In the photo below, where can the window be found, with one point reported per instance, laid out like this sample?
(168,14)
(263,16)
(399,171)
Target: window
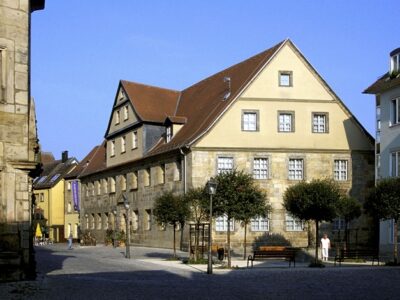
(250,121)
(378,166)
(338,224)
(161,178)
(68,186)
(147,177)
(260,168)
(126,113)
(320,123)
(112,148)
(178,171)
(395,63)
(123,182)
(99,221)
(293,224)
(221,224)
(123,144)
(395,111)
(148,219)
(42,179)
(296,169)
(394,163)
(169,133)
(105,186)
(134,140)
(112,185)
(340,171)
(225,164)
(98,187)
(134,180)
(285,122)
(135,220)
(117,117)
(285,78)
(3,73)
(260,224)
(69,207)
(54,178)
(41,197)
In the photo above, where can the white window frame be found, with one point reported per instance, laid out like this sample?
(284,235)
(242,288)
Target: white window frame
(394,161)
(285,78)
(249,120)
(168,134)
(126,112)
(395,111)
(224,164)
(319,122)
(296,169)
(395,63)
(260,168)
(221,224)
(123,144)
(134,140)
(112,148)
(293,224)
(260,224)
(341,167)
(285,122)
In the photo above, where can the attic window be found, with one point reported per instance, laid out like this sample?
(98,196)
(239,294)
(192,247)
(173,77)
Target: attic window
(117,117)
(126,113)
(54,178)
(395,63)
(169,134)
(286,78)
(42,179)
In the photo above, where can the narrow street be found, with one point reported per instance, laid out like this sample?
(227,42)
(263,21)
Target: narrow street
(103,273)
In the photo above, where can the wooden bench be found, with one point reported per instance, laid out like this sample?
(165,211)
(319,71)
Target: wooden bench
(357,254)
(273,252)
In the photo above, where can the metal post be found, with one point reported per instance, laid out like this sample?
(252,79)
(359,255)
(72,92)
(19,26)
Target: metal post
(209,266)
(128,234)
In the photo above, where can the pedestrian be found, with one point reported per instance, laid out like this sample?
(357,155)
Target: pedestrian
(325,245)
(70,241)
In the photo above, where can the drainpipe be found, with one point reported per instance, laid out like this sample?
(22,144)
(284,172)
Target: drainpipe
(184,171)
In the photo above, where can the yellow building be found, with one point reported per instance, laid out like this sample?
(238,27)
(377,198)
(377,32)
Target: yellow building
(49,190)
(271,115)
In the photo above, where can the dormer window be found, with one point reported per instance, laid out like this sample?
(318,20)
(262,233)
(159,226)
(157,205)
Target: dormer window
(126,113)
(395,61)
(169,133)
(117,117)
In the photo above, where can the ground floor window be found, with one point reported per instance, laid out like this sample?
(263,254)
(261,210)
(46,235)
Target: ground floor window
(260,224)
(293,224)
(221,224)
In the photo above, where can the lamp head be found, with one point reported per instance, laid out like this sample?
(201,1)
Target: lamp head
(212,186)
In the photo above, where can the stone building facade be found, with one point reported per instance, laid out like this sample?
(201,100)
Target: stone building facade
(18,138)
(271,115)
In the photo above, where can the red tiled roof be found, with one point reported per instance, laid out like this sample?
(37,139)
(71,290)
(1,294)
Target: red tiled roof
(151,103)
(97,161)
(82,165)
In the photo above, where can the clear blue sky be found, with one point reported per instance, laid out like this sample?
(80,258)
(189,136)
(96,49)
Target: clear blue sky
(81,49)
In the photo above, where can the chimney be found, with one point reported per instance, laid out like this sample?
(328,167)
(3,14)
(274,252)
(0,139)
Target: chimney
(64,156)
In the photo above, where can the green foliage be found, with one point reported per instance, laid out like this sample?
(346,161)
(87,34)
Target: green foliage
(171,209)
(198,201)
(349,208)
(317,200)
(383,201)
(239,197)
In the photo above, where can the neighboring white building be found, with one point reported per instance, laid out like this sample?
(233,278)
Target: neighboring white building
(387,145)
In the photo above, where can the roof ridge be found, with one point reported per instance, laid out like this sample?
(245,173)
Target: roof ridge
(149,86)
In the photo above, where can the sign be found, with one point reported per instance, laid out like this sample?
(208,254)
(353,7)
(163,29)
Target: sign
(75,194)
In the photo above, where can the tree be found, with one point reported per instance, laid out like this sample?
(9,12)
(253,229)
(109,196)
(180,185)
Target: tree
(173,210)
(383,202)
(349,209)
(238,197)
(316,201)
(199,207)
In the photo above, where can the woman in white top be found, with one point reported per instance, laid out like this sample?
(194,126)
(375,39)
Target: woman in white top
(325,245)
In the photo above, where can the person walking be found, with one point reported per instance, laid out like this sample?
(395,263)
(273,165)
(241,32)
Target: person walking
(70,241)
(325,245)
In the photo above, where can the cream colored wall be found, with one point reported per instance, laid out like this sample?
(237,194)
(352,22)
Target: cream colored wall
(57,204)
(305,83)
(130,154)
(307,95)
(343,133)
(132,119)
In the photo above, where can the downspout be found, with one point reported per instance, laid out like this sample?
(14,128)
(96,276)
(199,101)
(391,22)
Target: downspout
(184,177)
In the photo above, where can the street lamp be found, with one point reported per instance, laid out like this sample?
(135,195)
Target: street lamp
(114,211)
(128,231)
(211,189)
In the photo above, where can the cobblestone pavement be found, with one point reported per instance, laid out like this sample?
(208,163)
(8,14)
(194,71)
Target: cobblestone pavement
(104,273)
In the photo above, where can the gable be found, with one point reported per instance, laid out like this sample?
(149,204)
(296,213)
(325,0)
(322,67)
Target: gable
(306,85)
(122,115)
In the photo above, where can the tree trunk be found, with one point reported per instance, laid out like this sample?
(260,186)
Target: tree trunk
(196,242)
(395,229)
(174,241)
(346,235)
(245,241)
(229,244)
(316,242)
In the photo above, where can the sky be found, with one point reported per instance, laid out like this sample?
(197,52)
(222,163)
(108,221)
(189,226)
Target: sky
(81,49)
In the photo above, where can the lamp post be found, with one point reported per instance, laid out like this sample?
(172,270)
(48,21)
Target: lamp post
(128,231)
(211,189)
(114,211)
